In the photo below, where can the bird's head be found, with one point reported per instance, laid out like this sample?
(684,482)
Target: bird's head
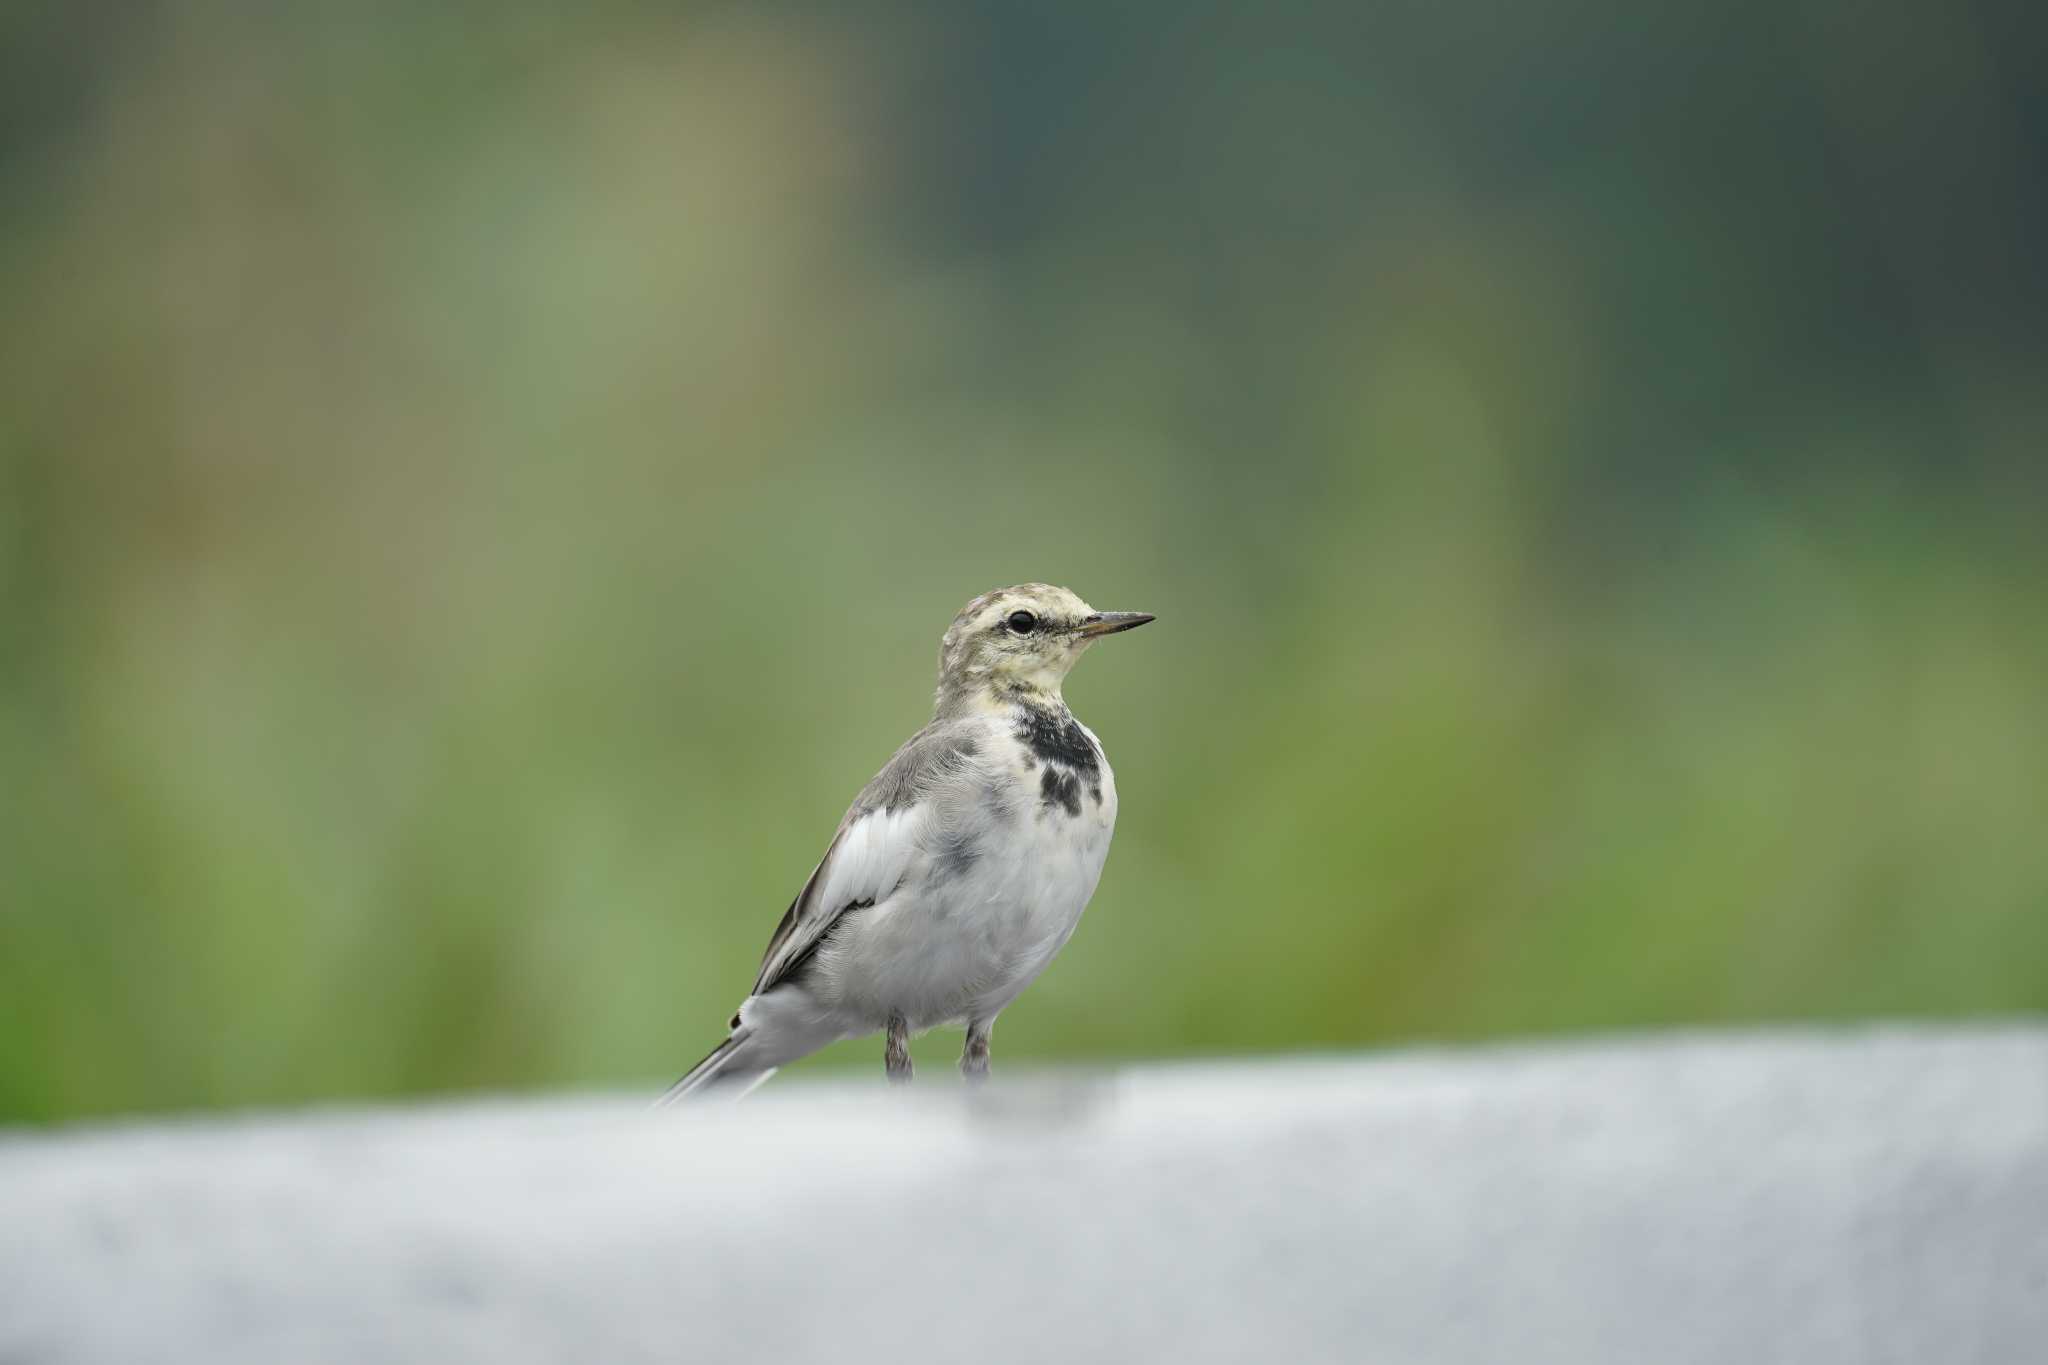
(1017,644)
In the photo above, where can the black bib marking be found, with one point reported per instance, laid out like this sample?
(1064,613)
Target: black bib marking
(1056,737)
(1060,788)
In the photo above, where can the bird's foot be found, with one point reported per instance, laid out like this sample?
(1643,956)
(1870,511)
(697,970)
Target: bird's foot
(896,1052)
(974,1056)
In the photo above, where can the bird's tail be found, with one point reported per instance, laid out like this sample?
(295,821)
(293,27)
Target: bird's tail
(725,1071)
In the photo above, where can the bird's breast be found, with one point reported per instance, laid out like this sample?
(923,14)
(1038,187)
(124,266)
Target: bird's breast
(1062,766)
(1007,873)
(1050,855)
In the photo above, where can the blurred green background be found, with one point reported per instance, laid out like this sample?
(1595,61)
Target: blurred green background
(481,486)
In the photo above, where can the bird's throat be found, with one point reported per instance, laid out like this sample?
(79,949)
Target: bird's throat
(997,695)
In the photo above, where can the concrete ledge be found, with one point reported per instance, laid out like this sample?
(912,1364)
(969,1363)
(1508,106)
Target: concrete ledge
(1868,1196)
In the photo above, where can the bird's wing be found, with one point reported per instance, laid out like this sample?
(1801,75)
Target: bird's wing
(875,846)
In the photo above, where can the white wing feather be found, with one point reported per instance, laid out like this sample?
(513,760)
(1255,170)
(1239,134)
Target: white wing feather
(867,862)
(872,857)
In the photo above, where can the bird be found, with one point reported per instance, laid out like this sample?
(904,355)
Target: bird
(958,872)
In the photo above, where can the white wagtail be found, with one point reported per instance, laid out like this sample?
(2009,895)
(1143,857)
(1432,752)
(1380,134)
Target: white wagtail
(959,871)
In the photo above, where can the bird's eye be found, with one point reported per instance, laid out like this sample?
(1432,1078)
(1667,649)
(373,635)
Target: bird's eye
(1022,622)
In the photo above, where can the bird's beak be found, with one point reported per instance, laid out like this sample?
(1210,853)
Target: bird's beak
(1110,622)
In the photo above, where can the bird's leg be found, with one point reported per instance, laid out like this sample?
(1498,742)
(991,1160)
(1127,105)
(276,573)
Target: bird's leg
(974,1056)
(896,1054)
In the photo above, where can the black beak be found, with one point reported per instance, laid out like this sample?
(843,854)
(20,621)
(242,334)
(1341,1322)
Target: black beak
(1110,622)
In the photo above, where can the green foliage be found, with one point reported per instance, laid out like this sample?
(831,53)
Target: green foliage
(476,498)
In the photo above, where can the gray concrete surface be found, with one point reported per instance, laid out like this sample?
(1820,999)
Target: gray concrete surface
(1877,1195)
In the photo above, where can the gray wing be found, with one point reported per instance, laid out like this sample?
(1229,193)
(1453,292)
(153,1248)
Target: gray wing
(875,845)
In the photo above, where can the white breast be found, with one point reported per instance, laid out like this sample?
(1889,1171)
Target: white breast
(1002,876)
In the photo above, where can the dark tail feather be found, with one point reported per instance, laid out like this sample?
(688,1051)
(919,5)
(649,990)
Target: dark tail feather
(725,1069)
